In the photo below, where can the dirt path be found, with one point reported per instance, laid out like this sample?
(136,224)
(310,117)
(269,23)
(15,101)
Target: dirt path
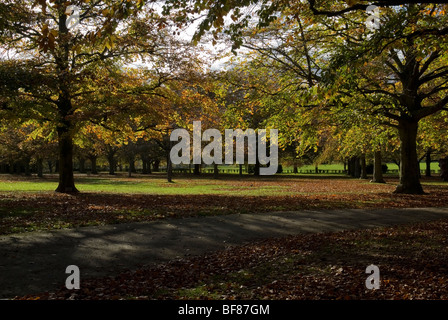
(36,262)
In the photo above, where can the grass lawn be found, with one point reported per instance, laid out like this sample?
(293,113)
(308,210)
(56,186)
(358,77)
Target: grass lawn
(339,166)
(30,204)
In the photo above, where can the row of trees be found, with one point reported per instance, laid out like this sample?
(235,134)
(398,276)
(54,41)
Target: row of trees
(328,63)
(313,70)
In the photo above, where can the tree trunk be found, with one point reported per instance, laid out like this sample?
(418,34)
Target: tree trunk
(409,167)
(93,164)
(257,168)
(65,111)
(27,167)
(428,163)
(215,171)
(66,177)
(146,166)
(169,168)
(357,167)
(197,169)
(131,161)
(40,167)
(316,168)
(363,166)
(155,166)
(132,164)
(349,166)
(352,167)
(82,165)
(295,167)
(377,168)
(111,160)
(240,169)
(50,166)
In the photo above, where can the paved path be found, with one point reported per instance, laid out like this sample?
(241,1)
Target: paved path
(36,262)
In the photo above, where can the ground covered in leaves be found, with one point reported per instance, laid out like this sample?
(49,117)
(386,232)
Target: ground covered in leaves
(119,199)
(412,259)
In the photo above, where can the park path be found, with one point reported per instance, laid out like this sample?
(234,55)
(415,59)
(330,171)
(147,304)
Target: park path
(36,262)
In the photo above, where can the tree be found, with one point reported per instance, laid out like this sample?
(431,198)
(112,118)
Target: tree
(402,78)
(25,145)
(431,140)
(56,61)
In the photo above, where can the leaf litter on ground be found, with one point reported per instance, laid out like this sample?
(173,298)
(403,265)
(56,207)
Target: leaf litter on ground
(412,260)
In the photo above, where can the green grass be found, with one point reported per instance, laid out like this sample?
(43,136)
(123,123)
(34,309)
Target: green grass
(30,203)
(140,185)
(333,166)
(185,184)
(340,166)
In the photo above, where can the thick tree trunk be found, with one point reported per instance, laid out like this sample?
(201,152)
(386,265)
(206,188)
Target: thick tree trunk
(377,168)
(257,168)
(144,167)
(357,167)
(197,169)
(27,167)
(428,163)
(148,166)
(409,166)
(132,164)
(295,167)
(65,111)
(215,171)
(316,168)
(40,167)
(155,166)
(82,165)
(11,167)
(93,164)
(66,177)
(111,160)
(50,166)
(363,167)
(169,168)
(131,161)
(240,169)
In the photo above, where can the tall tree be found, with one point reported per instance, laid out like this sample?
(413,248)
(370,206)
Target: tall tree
(50,60)
(401,75)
